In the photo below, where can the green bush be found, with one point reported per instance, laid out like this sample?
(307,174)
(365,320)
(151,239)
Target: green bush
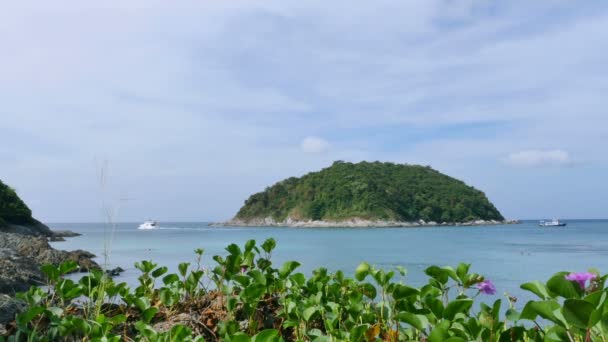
(243,297)
(12,208)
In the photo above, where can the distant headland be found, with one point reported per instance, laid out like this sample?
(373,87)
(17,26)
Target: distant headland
(24,247)
(369,194)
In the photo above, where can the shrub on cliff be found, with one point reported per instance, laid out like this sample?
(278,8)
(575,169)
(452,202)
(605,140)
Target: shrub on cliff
(12,208)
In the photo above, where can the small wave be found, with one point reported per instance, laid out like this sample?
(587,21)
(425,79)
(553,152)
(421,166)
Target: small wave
(204,228)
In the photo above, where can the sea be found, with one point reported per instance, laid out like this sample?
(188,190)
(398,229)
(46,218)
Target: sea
(509,255)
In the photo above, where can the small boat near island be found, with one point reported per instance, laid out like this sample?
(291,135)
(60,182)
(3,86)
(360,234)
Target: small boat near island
(148,225)
(552,223)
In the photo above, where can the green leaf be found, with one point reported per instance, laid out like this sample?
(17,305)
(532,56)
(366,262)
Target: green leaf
(159,271)
(596,298)
(455,339)
(314,332)
(580,313)
(180,332)
(557,334)
(462,270)
(51,272)
(438,334)
(118,319)
(183,268)
(249,245)
(496,309)
(68,267)
(288,268)
(537,288)
(513,334)
(24,318)
(362,271)
(564,288)
(240,337)
(435,305)
(269,245)
(308,312)
(298,278)
(450,272)
(411,319)
(242,279)
(269,335)
(357,333)
(166,297)
(323,339)
(170,279)
(437,273)
(402,291)
(54,311)
(257,276)
(546,309)
(512,315)
(146,331)
(234,249)
(254,291)
(142,303)
(81,325)
(368,290)
(457,306)
(149,313)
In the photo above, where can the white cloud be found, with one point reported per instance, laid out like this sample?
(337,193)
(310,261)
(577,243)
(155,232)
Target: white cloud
(540,158)
(314,145)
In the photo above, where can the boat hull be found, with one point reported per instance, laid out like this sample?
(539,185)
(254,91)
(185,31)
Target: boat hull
(148,226)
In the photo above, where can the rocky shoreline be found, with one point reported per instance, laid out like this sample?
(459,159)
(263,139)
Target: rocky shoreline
(23,250)
(354,223)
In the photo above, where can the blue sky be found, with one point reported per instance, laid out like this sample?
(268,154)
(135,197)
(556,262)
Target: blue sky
(197,104)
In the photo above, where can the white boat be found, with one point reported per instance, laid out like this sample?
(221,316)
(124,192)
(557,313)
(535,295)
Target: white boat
(552,223)
(148,225)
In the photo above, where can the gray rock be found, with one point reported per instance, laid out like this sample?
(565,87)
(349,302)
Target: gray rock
(115,272)
(354,222)
(9,308)
(64,233)
(18,273)
(36,229)
(22,255)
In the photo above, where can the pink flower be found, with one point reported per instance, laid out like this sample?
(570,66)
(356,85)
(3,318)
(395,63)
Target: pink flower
(486,287)
(581,277)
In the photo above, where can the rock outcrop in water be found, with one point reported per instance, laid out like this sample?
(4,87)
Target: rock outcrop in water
(367,195)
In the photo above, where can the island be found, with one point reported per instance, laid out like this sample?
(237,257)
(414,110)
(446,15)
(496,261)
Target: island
(368,194)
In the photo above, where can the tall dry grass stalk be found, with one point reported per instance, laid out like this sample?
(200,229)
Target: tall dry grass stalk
(109,214)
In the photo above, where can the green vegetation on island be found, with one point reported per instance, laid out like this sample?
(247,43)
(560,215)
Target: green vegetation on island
(371,191)
(12,209)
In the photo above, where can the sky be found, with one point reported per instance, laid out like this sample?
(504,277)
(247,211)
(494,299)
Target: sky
(188,107)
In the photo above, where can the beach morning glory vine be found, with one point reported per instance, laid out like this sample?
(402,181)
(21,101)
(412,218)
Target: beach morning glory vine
(581,278)
(486,287)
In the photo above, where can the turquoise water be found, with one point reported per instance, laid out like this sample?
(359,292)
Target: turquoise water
(509,255)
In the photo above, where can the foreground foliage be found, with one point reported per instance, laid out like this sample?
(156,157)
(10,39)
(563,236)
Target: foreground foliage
(245,298)
(374,191)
